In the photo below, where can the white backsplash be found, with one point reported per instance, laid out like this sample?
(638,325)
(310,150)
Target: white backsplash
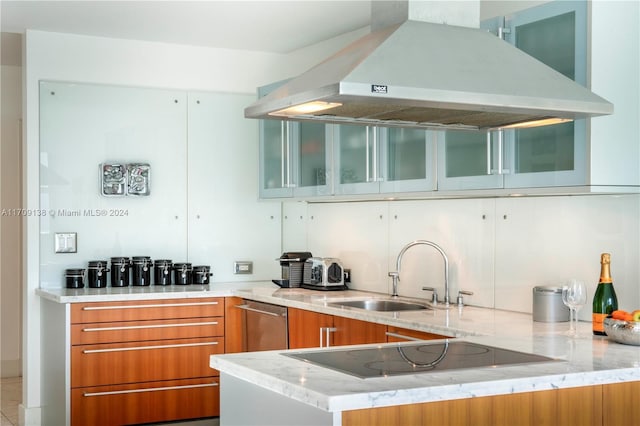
(202,207)
(498,248)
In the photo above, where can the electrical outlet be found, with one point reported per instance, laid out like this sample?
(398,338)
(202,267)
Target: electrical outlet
(242,267)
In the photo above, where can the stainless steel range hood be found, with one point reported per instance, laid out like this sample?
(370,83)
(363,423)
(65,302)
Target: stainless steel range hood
(422,74)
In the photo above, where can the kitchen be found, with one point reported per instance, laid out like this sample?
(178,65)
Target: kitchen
(365,236)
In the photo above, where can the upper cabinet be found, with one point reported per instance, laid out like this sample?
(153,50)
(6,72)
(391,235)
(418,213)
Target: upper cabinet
(371,160)
(295,158)
(555,34)
(590,155)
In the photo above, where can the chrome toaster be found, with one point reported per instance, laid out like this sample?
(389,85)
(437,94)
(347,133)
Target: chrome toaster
(323,273)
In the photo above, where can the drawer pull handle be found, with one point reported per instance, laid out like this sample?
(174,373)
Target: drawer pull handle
(138,327)
(203,385)
(401,336)
(141,348)
(260,311)
(160,305)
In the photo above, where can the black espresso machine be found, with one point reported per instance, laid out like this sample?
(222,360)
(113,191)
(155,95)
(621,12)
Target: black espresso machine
(292,266)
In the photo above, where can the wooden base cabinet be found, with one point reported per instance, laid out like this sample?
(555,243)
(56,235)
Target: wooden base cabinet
(600,405)
(309,329)
(145,361)
(143,403)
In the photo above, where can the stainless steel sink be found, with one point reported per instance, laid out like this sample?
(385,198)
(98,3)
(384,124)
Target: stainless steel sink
(383,305)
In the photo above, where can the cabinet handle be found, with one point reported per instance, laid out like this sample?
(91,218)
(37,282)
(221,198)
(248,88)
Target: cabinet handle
(500,152)
(375,154)
(401,336)
(260,311)
(203,385)
(133,327)
(366,155)
(326,331)
(288,148)
(162,305)
(489,153)
(282,153)
(142,348)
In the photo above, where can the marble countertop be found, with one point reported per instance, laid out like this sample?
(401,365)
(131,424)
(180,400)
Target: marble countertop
(586,360)
(153,292)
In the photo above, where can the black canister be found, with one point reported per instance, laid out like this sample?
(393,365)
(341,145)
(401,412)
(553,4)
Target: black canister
(182,273)
(201,274)
(141,266)
(162,272)
(97,273)
(120,271)
(74,277)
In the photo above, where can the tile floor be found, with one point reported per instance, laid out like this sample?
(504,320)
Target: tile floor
(10,397)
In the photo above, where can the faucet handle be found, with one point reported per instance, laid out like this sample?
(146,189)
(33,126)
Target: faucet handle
(434,296)
(394,274)
(459,298)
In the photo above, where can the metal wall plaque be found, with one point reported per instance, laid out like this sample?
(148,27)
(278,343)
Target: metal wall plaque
(119,180)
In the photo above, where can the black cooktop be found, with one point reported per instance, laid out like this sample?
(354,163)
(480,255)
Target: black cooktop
(415,358)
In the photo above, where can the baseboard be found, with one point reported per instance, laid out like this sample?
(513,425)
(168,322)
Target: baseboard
(29,416)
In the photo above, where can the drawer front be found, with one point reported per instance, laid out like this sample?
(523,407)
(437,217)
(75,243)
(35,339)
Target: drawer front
(145,403)
(146,310)
(129,331)
(118,363)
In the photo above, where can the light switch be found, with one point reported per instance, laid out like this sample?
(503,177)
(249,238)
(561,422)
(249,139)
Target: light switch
(66,242)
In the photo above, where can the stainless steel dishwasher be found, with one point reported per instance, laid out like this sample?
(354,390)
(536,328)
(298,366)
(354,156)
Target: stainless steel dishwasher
(265,326)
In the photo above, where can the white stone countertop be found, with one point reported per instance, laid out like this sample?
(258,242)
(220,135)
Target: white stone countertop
(586,360)
(152,292)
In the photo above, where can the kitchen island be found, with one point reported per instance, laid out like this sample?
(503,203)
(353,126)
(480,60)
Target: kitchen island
(599,378)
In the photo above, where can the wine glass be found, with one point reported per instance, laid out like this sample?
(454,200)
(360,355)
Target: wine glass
(574,295)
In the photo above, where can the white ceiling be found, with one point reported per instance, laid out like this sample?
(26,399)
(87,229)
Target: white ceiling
(271,26)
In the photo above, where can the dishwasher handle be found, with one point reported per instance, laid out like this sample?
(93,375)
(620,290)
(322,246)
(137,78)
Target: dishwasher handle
(260,311)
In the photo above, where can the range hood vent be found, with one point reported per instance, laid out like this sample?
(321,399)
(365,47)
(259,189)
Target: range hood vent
(431,75)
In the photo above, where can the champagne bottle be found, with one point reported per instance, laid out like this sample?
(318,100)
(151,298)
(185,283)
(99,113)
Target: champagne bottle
(605,300)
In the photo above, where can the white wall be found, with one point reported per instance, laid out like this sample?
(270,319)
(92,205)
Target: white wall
(615,59)
(10,250)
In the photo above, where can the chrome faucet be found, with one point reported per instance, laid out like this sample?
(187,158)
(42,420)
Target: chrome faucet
(395,276)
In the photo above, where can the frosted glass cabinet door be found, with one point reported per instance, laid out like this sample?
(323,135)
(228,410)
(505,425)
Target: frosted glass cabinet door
(274,159)
(553,33)
(407,156)
(312,159)
(294,159)
(468,160)
(356,159)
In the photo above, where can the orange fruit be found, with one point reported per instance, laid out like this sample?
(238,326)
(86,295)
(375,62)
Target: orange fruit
(619,314)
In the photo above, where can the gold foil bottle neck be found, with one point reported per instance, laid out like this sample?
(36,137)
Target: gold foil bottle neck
(605,268)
